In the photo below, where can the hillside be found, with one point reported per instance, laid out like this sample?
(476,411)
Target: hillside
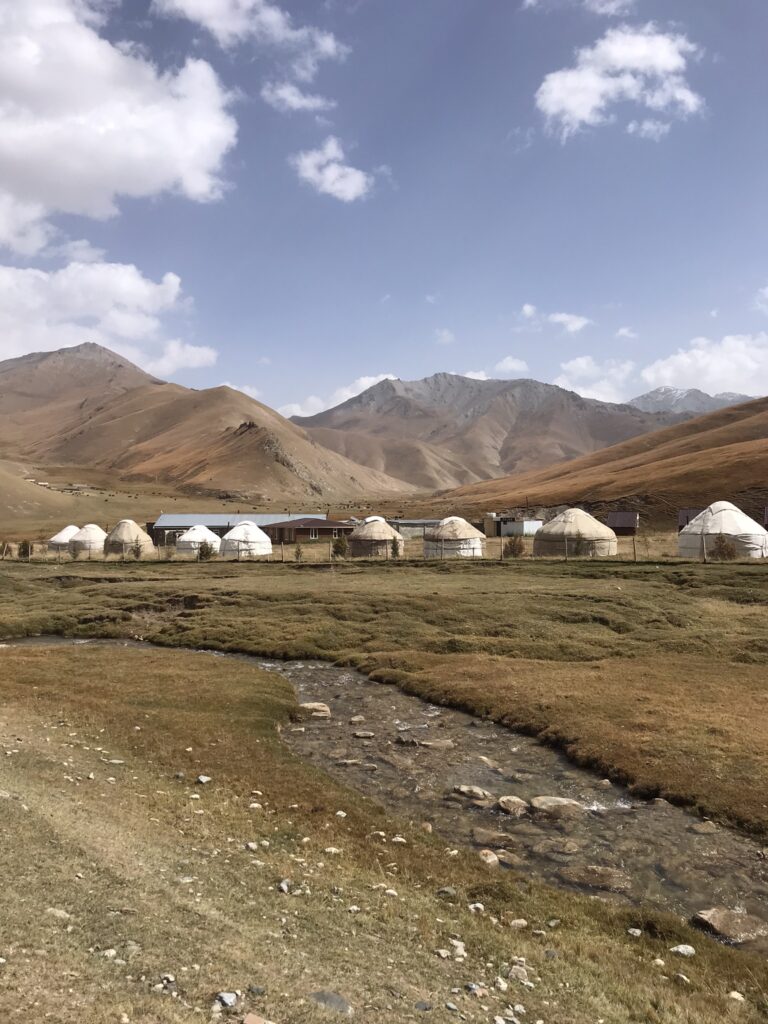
(447,430)
(723,455)
(86,407)
(689,400)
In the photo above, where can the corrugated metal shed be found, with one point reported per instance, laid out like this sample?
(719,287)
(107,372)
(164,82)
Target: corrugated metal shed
(623,523)
(685,515)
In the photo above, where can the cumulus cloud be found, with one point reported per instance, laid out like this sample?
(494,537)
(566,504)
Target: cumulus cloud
(591,378)
(84,122)
(325,170)
(475,374)
(639,65)
(111,304)
(738,362)
(572,323)
(761,302)
(313,404)
(528,311)
(626,332)
(287,98)
(247,389)
(511,366)
(649,128)
(444,336)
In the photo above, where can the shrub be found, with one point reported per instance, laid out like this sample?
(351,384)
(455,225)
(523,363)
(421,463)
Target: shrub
(25,549)
(723,550)
(514,547)
(298,553)
(396,547)
(136,550)
(205,551)
(340,547)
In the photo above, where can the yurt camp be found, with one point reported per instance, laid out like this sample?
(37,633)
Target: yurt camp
(88,541)
(575,533)
(59,542)
(745,537)
(190,541)
(128,538)
(454,537)
(373,538)
(245,540)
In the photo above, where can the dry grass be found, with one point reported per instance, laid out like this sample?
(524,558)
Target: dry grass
(112,855)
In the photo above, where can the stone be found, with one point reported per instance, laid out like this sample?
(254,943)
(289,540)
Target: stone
(446,893)
(203,780)
(518,923)
(473,792)
(58,913)
(557,807)
(489,858)
(332,1001)
(635,932)
(508,859)
(682,979)
(556,849)
(438,744)
(515,806)
(422,1006)
(736,996)
(704,828)
(730,925)
(518,972)
(487,837)
(227,999)
(357,719)
(315,709)
(363,734)
(594,876)
(683,950)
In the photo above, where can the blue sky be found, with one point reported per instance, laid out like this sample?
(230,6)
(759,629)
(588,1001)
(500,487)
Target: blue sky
(298,198)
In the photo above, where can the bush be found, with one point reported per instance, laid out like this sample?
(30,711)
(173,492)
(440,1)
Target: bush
(136,550)
(205,551)
(723,550)
(298,553)
(25,549)
(396,547)
(340,547)
(514,547)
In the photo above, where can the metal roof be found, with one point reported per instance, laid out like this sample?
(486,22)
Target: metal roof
(414,522)
(183,520)
(310,521)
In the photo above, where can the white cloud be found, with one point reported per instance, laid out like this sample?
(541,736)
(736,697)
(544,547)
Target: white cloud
(84,121)
(610,8)
(626,332)
(431,299)
(639,65)
(511,366)
(444,336)
(267,24)
(738,362)
(572,323)
(111,304)
(324,169)
(475,374)
(761,301)
(287,97)
(649,128)
(528,311)
(313,404)
(604,381)
(247,389)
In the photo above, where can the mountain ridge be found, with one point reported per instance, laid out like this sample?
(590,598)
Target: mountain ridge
(686,400)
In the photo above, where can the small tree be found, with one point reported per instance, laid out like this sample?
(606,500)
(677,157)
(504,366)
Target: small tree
(395,547)
(136,550)
(723,550)
(340,547)
(25,549)
(298,554)
(514,547)
(205,551)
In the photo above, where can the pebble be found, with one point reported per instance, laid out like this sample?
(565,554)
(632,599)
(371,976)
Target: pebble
(489,858)
(682,979)
(736,996)
(228,999)
(203,780)
(683,950)
(332,1001)
(634,932)
(515,806)
(519,923)
(315,709)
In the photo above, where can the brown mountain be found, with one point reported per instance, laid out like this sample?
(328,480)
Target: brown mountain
(87,407)
(722,455)
(448,430)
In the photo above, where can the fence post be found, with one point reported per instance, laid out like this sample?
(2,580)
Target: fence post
(442,550)
(330,550)
(566,547)
(704,548)
(634,546)
(282,551)
(501,548)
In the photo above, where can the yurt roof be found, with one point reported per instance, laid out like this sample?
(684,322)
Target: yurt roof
(128,532)
(247,531)
(454,528)
(374,528)
(65,535)
(575,522)
(89,532)
(198,534)
(724,517)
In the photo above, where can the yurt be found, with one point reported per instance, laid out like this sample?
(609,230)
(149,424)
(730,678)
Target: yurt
(373,539)
(577,533)
(88,541)
(127,538)
(749,538)
(59,542)
(454,537)
(245,540)
(189,542)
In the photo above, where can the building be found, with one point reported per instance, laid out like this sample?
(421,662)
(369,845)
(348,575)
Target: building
(496,525)
(623,524)
(410,529)
(169,526)
(309,528)
(685,515)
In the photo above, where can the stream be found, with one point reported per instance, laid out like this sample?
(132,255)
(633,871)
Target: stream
(409,756)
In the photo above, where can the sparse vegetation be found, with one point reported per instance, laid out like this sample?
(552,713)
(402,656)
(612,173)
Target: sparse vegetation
(723,550)
(25,550)
(205,552)
(514,547)
(340,547)
(298,553)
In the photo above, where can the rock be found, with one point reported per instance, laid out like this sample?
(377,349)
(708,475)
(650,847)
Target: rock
(332,1001)
(487,837)
(422,1006)
(557,807)
(518,973)
(203,780)
(509,860)
(363,734)
(730,925)
(489,858)
(683,950)
(593,876)
(518,923)
(473,792)
(513,805)
(438,744)
(315,709)
(556,849)
(635,932)
(60,915)
(227,999)
(446,893)
(658,962)
(357,719)
(736,996)
(704,828)
(682,979)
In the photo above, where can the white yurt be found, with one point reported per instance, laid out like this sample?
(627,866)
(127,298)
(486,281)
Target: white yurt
(749,538)
(88,541)
(373,539)
(245,540)
(575,533)
(59,542)
(454,537)
(126,538)
(189,542)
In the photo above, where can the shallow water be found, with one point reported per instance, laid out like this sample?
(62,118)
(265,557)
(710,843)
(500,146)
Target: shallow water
(658,856)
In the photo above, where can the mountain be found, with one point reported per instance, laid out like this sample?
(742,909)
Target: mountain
(448,430)
(690,400)
(722,455)
(88,407)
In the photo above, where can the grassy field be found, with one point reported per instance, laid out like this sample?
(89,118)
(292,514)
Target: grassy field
(119,869)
